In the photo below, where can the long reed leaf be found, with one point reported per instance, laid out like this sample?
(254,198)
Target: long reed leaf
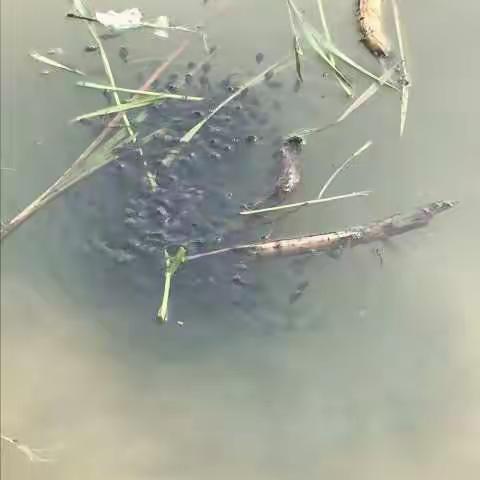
(172,264)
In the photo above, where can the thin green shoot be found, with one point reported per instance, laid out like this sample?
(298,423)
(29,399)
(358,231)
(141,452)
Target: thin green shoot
(172,264)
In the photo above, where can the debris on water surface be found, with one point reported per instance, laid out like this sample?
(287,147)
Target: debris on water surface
(124,20)
(259,57)
(91,48)
(55,51)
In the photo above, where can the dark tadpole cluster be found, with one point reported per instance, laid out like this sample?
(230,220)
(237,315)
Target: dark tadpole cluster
(161,193)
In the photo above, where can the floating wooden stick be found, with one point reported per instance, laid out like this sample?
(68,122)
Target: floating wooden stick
(351,237)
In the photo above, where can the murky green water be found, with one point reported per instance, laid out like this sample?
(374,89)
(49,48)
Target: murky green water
(373,372)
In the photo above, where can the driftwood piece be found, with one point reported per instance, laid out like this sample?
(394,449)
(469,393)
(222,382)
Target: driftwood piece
(394,225)
(371,27)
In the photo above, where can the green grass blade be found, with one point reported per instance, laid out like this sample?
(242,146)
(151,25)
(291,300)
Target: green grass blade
(174,96)
(53,63)
(122,107)
(406,78)
(326,31)
(369,92)
(83,10)
(252,82)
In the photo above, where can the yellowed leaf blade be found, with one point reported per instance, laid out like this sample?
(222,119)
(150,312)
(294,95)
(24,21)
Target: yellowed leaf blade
(48,61)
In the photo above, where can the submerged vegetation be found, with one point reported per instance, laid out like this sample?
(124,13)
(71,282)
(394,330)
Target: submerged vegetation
(123,134)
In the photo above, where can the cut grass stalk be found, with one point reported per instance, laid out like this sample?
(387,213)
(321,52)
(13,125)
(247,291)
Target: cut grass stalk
(83,10)
(306,203)
(326,31)
(48,61)
(406,82)
(250,83)
(343,166)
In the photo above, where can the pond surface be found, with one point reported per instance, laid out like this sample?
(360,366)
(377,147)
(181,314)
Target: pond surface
(372,373)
